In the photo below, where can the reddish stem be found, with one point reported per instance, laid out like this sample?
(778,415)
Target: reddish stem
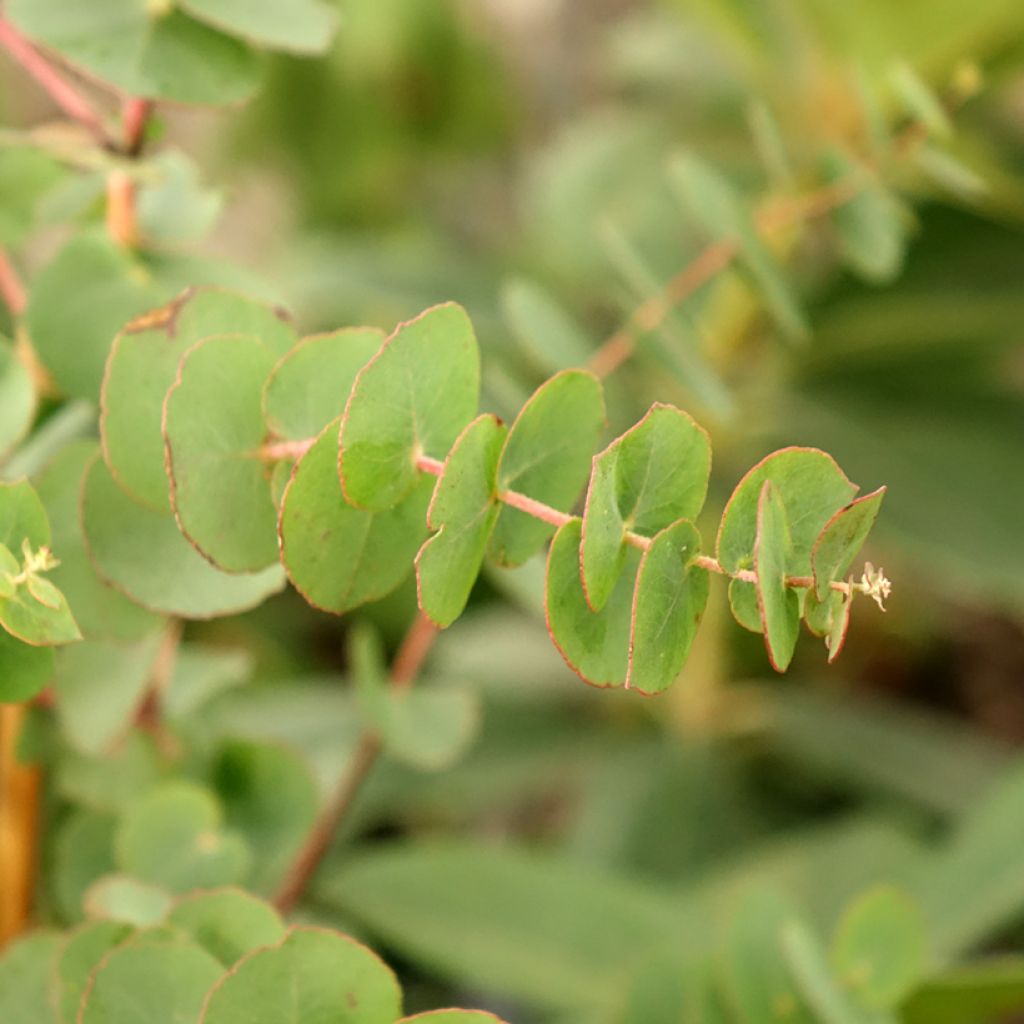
(134,118)
(11,288)
(62,92)
(122,215)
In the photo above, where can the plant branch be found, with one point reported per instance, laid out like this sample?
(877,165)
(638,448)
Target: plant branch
(61,91)
(12,290)
(404,670)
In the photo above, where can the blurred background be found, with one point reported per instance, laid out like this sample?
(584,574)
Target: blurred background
(517,156)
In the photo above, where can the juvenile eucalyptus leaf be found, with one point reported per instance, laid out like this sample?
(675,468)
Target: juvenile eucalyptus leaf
(309,387)
(463,511)
(829,619)
(22,518)
(841,539)
(811,486)
(143,553)
(668,603)
(547,457)
(143,365)
(645,480)
(880,948)
(126,900)
(302,26)
(743,604)
(213,429)
(339,557)
(82,952)
(227,923)
(17,398)
(313,974)
(145,980)
(26,967)
(594,644)
(779,604)
(143,49)
(413,398)
(174,837)
(46,623)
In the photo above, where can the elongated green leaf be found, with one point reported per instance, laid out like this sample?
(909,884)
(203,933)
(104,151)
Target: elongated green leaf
(413,398)
(143,365)
(25,972)
(880,948)
(655,473)
(103,613)
(143,49)
(779,605)
(312,975)
(227,923)
(142,552)
(150,981)
(668,604)
(551,932)
(309,387)
(463,511)
(24,670)
(213,429)
(841,539)
(98,690)
(714,203)
(304,26)
(339,557)
(919,100)
(547,457)
(17,398)
(87,292)
(82,952)
(869,225)
(812,488)
(594,644)
(546,332)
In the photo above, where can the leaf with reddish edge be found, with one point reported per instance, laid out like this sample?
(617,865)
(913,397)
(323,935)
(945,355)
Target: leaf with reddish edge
(310,386)
(142,366)
(213,429)
(143,553)
(228,923)
(840,624)
(779,604)
(33,622)
(743,604)
(413,398)
(645,480)
(841,539)
(811,486)
(22,517)
(339,557)
(454,1017)
(668,603)
(313,974)
(594,644)
(463,512)
(83,950)
(547,457)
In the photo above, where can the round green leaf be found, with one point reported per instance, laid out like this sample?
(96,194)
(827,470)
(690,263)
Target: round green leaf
(17,398)
(127,900)
(547,457)
(313,975)
(143,366)
(811,486)
(841,539)
(143,553)
(213,429)
(24,670)
(880,948)
(463,511)
(413,398)
(302,26)
(41,623)
(143,49)
(227,923)
(339,557)
(174,837)
(150,982)
(83,951)
(743,604)
(22,517)
(668,604)
(26,968)
(779,604)
(655,473)
(310,385)
(103,613)
(453,1017)
(594,644)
